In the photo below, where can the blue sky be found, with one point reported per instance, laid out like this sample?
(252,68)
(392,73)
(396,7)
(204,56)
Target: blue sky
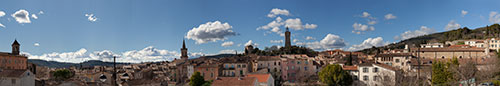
(123,26)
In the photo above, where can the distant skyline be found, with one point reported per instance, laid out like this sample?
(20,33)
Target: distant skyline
(141,31)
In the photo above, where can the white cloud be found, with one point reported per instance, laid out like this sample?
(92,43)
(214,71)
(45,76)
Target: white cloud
(277,41)
(372,22)
(390,16)
(452,25)
(227,44)
(36,44)
(331,41)
(410,34)
(358,28)
(1,25)
(2,13)
(368,43)
(310,38)
(34,16)
(210,32)
(464,13)
(296,24)
(365,15)
(494,17)
(228,51)
(295,40)
(276,11)
(40,13)
(22,16)
(91,17)
(250,42)
(147,54)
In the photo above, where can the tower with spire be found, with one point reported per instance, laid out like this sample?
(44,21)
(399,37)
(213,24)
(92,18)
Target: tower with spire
(288,44)
(184,55)
(15,48)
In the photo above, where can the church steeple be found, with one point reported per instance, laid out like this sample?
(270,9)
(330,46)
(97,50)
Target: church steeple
(15,47)
(184,55)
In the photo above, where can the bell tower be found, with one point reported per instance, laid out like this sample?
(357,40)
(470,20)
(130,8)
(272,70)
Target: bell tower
(184,55)
(287,38)
(15,48)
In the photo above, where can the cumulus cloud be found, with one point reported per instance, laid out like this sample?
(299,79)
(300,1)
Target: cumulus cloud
(365,15)
(296,24)
(277,41)
(464,13)
(1,25)
(276,11)
(22,16)
(359,28)
(390,16)
(331,41)
(368,43)
(147,54)
(34,16)
(36,44)
(210,32)
(227,44)
(310,38)
(91,17)
(40,13)
(410,34)
(2,13)
(452,25)
(295,40)
(250,42)
(372,22)
(494,17)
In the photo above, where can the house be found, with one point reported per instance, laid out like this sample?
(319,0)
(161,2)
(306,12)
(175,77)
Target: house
(397,60)
(272,64)
(13,60)
(17,78)
(297,68)
(264,79)
(373,74)
(235,81)
(208,71)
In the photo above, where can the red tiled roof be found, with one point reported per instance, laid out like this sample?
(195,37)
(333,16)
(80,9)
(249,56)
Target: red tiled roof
(262,78)
(353,68)
(234,81)
(11,73)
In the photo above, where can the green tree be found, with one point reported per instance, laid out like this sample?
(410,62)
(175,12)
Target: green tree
(334,75)
(197,79)
(62,74)
(440,74)
(454,61)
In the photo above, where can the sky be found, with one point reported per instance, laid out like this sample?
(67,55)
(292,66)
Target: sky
(153,30)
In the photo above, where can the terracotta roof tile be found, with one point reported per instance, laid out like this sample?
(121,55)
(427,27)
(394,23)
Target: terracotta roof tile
(262,78)
(234,81)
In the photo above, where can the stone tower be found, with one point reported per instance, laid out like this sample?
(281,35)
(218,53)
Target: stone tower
(15,48)
(184,50)
(287,38)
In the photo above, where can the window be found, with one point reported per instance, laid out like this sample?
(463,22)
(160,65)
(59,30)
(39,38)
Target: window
(365,70)
(298,62)
(274,63)
(244,66)
(239,66)
(365,78)
(211,74)
(206,69)
(397,60)
(375,69)
(305,68)
(355,78)
(227,66)
(279,63)
(232,66)
(375,78)
(293,67)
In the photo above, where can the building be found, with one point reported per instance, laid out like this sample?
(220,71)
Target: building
(264,79)
(397,60)
(235,81)
(476,43)
(432,45)
(12,77)
(271,63)
(297,68)
(450,52)
(184,55)
(208,71)
(288,44)
(13,60)
(373,74)
(353,70)
(236,66)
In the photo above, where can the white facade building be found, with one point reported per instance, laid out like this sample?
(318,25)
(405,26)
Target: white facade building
(373,74)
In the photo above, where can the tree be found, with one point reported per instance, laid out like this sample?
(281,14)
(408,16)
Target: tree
(440,73)
(334,75)
(62,74)
(197,79)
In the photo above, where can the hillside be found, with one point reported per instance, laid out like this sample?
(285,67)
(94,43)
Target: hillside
(55,64)
(458,34)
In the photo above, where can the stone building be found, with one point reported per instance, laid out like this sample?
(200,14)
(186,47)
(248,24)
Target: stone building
(13,60)
(450,52)
(208,71)
(397,60)
(288,43)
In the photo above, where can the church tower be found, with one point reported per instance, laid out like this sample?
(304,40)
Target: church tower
(287,38)
(15,48)
(184,50)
